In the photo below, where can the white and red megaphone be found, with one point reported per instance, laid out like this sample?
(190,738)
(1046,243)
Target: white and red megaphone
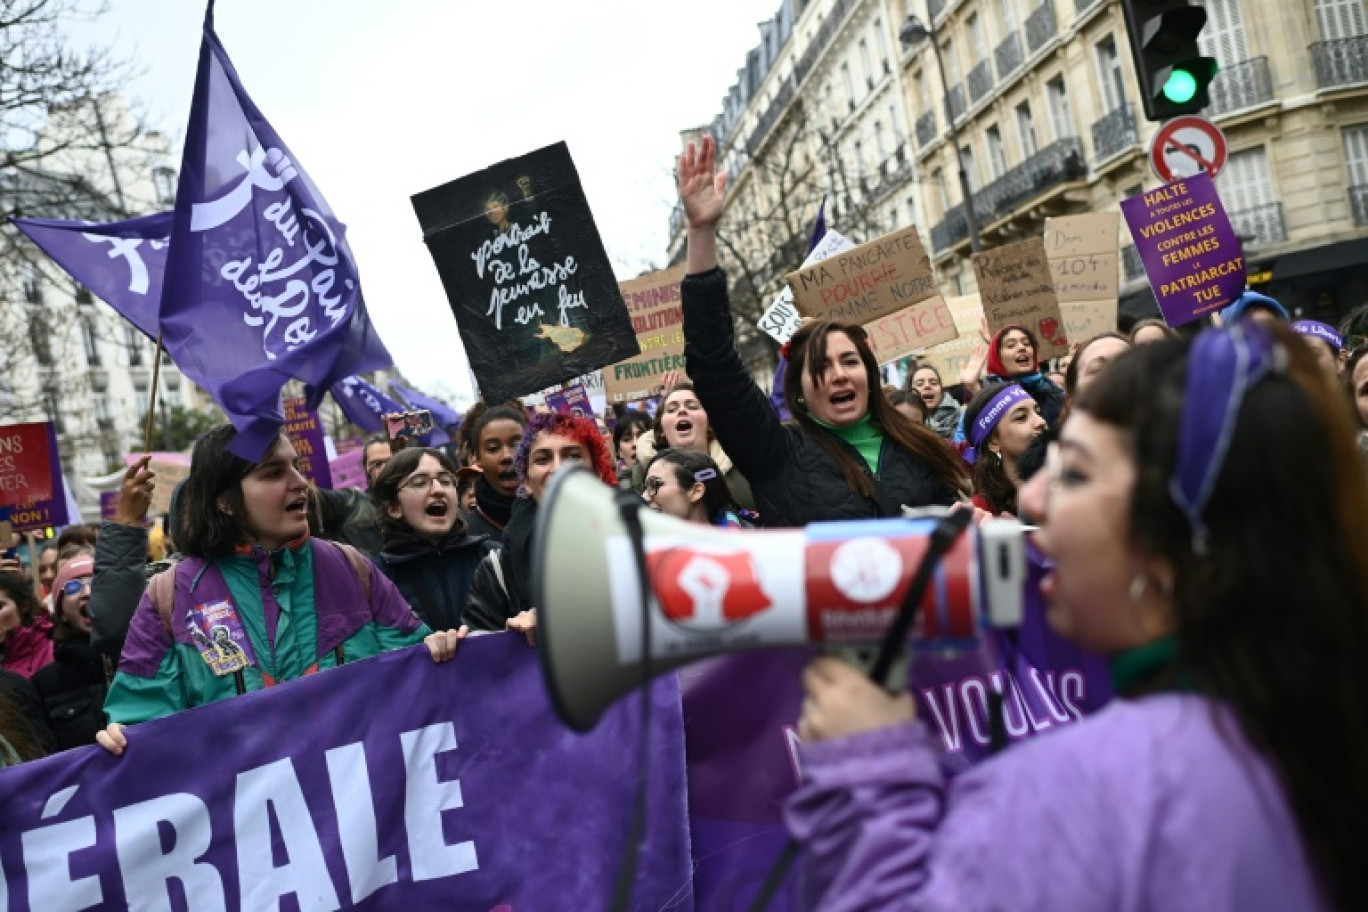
(722,590)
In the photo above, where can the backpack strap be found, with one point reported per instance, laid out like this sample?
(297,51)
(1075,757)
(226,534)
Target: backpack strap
(361,567)
(161,591)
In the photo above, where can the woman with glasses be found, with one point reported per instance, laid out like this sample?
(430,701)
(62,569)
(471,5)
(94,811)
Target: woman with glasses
(687,484)
(256,600)
(427,549)
(72,686)
(1229,774)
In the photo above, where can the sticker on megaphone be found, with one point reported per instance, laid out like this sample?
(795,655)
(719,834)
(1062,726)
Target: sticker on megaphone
(830,583)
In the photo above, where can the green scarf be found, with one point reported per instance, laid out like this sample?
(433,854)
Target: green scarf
(1155,662)
(864,435)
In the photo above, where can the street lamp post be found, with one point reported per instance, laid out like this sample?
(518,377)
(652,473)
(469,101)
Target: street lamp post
(911,34)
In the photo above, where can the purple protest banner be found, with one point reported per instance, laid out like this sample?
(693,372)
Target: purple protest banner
(363,404)
(305,431)
(349,470)
(1191,253)
(51,512)
(390,783)
(571,399)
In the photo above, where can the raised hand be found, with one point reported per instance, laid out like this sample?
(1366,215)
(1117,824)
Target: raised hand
(701,185)
(135,494)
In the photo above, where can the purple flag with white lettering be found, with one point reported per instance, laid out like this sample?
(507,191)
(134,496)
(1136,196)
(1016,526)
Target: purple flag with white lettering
(261,286)
(363,404)
(120,262)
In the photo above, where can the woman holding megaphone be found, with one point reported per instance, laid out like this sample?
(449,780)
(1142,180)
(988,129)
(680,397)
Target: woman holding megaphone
(849,454)
(1231,773)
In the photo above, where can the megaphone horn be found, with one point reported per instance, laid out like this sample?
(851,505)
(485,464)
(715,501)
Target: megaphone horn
(725,590)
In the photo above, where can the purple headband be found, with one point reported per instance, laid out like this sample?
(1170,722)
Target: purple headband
(1223,366)
(992,413)
(1319,330)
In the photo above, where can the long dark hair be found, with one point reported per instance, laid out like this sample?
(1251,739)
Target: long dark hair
(808,352)
(686,465)
(20,591)
(630,420)
(214,472)
(658,428)
(385,491)
(991,481)
(1271,622)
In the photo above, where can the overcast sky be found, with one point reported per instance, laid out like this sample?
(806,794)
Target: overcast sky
(379,101)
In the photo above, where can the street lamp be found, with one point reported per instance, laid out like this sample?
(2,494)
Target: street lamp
(911,34)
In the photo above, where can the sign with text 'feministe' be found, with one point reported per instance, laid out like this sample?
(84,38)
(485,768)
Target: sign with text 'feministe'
(390,783)
(260,284)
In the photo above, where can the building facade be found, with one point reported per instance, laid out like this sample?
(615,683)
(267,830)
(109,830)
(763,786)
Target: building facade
(1046,108)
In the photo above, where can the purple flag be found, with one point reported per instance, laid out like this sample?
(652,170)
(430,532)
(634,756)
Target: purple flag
(261,286)
(120,262)
(363,404)
(390,783)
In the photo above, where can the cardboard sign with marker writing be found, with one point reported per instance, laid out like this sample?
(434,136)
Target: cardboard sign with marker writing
(868,282)
(1017,289)
(911,329)
(658,319)
(1084,252)
(949,358)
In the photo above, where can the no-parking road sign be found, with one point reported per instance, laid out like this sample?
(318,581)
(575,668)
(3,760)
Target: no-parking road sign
(1187,146)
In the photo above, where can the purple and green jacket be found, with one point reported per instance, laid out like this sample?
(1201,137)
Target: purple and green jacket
(1152,804)
(298,605)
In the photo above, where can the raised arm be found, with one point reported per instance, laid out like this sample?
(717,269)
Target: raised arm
(738,412)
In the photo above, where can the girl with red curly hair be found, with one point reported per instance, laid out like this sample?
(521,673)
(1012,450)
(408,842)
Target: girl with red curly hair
(501,593)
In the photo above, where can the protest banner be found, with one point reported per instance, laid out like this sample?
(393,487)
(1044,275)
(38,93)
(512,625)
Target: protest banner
(525,273)
(571,399)
(1191,254)
(782,319)
(658,320)
(868,282)
(305,431)
(390,783)
(1084,254)
(949,358)
(911,329)
(349,469)
(26,473)
(1017,289)
(52,511)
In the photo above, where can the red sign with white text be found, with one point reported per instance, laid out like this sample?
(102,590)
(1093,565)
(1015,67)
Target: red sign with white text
(25,464)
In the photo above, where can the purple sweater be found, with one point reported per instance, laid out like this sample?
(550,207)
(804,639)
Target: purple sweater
(1155,804)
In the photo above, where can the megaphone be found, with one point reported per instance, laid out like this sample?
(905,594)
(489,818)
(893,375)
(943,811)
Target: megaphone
(725,590)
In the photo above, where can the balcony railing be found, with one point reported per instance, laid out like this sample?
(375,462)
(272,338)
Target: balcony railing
(1259,225)
(1058,162)
(1343,61)
(935,8)
(1114,133)
(1040,26)
(825,32)
(772,114)
(1358,202)
(957,105)
(1008,55)
(1132,267)
(894,172)
(980,79)
(1241,85)
(926,129)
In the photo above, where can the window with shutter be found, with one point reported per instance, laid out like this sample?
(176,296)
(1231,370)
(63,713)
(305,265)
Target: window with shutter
(1340,19)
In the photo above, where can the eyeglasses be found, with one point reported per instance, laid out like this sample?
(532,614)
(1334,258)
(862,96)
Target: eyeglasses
(75,587)
(652,487)
(424,483)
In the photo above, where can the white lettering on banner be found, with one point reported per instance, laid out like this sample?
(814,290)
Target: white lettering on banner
(163,839)
(148,869)
(127,249)
(352,388)
(970,695)
(210,215)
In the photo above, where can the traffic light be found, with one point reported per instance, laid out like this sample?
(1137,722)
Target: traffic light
(1172,72)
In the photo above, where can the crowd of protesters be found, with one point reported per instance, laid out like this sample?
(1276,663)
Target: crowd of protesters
(1201,498)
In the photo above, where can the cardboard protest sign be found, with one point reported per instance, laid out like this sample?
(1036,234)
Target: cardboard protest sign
(1017,289)
(949,358)
(868,282)
(658,320)
(25,464)
(305,431)
(526,274)
(782,319)
(911,329)
(1191,254)
(1084,253)
(168,470)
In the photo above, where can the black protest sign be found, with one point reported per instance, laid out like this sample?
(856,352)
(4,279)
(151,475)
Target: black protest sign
(526,275)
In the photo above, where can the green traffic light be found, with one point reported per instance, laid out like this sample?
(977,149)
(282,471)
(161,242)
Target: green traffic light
(1180,87)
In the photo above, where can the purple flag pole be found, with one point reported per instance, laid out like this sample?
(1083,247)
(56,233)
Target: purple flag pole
(260,284)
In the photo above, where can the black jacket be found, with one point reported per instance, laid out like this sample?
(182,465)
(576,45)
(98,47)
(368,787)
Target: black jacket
(492,602)
(435,579)
(72,689)
(118,585)
(794,479)
(491,512)
(348,515)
